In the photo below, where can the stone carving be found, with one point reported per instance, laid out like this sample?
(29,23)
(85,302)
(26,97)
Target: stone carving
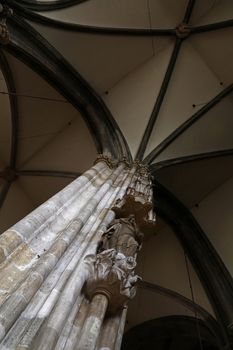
(138,200)
(111,273)
(4,34)
(109,161)
(106,159)
(132,203)
(123,235)
(5,12)
(183,30)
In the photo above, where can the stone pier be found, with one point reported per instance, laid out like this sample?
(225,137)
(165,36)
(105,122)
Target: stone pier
(67,269)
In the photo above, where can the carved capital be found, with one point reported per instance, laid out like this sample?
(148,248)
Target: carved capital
(106,159)
(124,160)
(110,162)
(111,273)
(144,171)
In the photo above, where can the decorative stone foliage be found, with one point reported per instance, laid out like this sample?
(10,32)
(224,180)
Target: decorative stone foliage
(111,274)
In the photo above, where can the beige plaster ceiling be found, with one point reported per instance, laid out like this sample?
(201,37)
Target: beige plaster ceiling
(191,182)
(46,126)
(127,72)
(101,59)
(211,11)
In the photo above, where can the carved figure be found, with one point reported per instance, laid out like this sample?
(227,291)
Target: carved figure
(123,235)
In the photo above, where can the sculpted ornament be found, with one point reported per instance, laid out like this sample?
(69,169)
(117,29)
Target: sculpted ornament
(123,235)
(111,270)
(5,12)
(111,273)
(106,159)
(4,34)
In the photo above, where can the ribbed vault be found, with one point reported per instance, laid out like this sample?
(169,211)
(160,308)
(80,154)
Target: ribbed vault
(141,79)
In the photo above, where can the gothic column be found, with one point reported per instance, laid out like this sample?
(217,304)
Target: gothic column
(67,269)
(111,279)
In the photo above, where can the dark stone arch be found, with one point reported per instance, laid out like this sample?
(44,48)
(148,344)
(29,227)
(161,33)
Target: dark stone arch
(48,5)
(171,333)
(213,274)
(27,45)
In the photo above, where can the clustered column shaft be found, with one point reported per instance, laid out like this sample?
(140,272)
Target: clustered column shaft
(47,263)
(111,277)
(93,322)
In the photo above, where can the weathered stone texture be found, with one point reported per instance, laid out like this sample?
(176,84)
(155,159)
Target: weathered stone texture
(43,270)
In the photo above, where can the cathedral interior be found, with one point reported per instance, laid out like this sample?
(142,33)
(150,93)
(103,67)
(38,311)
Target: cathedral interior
(145,81)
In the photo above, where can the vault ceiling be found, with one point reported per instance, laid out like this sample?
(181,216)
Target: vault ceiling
(167,99)
(47,125)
